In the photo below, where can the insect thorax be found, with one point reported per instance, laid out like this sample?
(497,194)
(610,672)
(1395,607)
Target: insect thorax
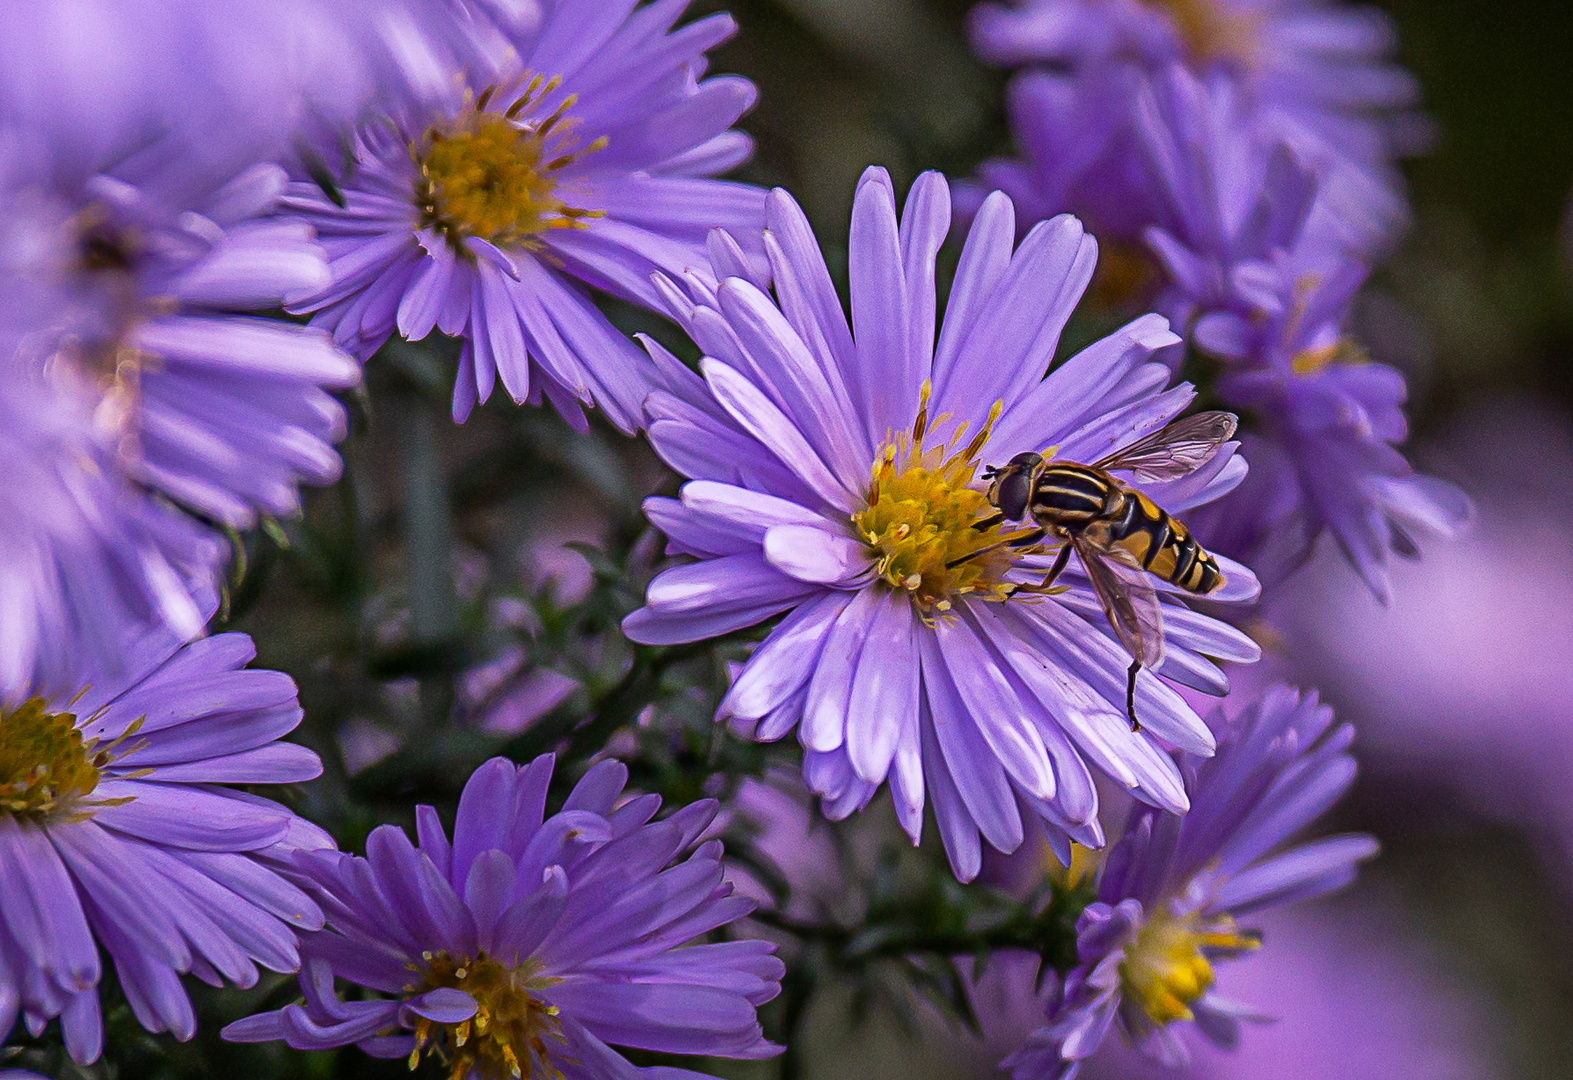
(1070,497)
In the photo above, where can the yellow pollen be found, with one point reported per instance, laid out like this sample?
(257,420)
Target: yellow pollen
(495,175)
(1167,967)
(508,1035)
(47,770)
(1084,863)
(1212,32)
(1126,276)
(919,518)
(1342,351)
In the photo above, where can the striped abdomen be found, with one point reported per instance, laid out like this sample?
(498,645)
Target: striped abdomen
(1080,500)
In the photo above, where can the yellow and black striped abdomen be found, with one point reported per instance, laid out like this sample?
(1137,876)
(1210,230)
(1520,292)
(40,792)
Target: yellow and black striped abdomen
(1163,546)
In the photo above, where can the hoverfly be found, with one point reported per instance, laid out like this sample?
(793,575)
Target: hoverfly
(1119,534)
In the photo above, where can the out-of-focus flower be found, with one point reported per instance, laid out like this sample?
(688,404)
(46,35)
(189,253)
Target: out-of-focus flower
(526,945)
(86,559)
(1314,75)
(133,383)
(1353,994)
(1352,997)
(115,831)
(1463,680)
(1172,889)
(228,84)
(222,412)
(835,478)
(1328,420)
(1259,286)
(582,158)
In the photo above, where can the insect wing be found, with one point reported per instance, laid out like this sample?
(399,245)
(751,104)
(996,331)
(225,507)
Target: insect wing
(1176,449)
(1128,598)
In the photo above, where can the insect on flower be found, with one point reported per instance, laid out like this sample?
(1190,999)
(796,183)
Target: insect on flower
(1119,534)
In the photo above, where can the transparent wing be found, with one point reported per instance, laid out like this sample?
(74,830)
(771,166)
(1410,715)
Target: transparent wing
(1128,598)
(1175,450)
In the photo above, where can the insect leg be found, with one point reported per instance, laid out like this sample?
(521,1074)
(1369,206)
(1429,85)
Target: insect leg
(1044,587)
(1021,541)
(1130,696)
(989,522)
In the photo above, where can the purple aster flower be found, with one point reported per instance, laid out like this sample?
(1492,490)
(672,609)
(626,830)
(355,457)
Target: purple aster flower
(1173,888)
(1313,74)
(85,558)
(1259,287)
(1355,994)
(1493,723)
(836,480)
(580,160)
(528,944)
(221,412)
(116,831)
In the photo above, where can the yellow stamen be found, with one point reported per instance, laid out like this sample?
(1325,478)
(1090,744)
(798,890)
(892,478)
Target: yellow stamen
(1126,276)
(1212,32)
(1084,863)
(1167,967)
(919,516)
(48,771)
(507,1036)
(496,176)
(1342,351)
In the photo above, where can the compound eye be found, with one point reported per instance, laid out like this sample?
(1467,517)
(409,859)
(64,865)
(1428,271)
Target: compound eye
(1014,492)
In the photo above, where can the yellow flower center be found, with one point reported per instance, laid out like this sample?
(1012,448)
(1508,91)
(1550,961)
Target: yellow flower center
(47,770)
(1342,351)
(1166,968)
(1212,32)
(1084,865)
(1125,277)
(104,358)
(920,517)
(507,1036)
(495,176)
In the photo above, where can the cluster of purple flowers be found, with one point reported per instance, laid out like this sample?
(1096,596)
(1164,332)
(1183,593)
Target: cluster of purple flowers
(1243,154)
(489,171)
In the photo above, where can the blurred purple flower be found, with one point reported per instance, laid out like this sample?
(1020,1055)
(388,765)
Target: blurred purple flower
(1464,679)
(527,945)
(86,558)
(1256,277)
(1315,75)
(1354,995)
(114,831)
(228,84)
(222,412)
(1173,888)
(894,660)
(582,161)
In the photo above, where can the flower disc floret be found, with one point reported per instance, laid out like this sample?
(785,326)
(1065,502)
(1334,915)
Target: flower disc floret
(509,1033)
(920,522)
(1166,967)
(45,765)
(1214,32)
(493,176)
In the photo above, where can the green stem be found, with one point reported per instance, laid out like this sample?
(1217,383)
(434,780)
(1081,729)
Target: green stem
(1049,932)
(434,604)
